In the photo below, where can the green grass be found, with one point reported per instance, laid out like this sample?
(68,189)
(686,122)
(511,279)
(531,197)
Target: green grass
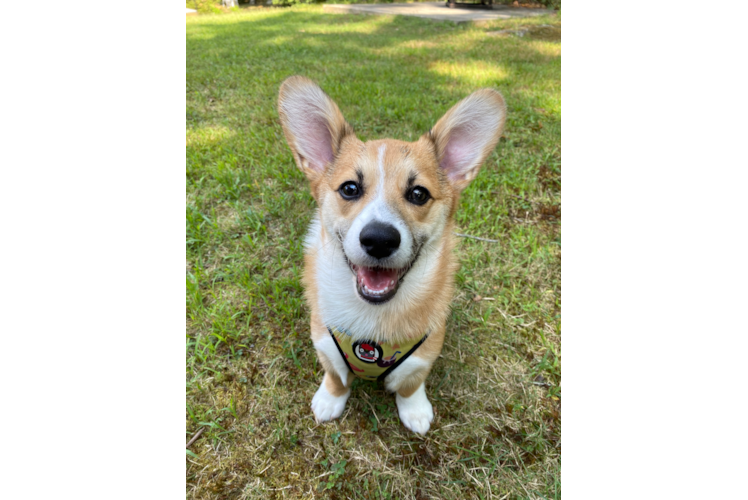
(251,367)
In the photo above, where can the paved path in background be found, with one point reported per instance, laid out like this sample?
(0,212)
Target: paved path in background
(436,10)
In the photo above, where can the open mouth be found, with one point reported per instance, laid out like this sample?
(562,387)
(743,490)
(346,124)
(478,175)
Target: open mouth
(378,284)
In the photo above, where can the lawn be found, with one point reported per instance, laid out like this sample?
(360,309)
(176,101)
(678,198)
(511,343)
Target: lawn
(251,367)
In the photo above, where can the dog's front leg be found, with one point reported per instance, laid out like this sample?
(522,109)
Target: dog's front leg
(408,381)
(329,401)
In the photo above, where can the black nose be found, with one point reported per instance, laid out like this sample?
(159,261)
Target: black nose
(379,240)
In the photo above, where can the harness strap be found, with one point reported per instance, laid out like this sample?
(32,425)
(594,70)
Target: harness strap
(403,358)
(342,354)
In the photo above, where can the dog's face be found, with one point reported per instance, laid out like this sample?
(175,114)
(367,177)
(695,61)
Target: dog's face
(386,201)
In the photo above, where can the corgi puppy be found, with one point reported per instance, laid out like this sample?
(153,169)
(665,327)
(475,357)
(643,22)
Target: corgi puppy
(379,263)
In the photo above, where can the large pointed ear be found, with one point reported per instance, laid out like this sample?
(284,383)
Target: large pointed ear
(467,134)
(313,124)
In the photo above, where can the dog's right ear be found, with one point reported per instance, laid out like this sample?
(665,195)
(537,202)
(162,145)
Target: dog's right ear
(313,124)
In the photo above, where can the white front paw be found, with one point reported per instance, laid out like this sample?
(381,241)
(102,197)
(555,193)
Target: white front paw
(416,412)
(326,406)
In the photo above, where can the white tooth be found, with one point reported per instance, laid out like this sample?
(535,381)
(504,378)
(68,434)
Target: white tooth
(392,282)
(386,289)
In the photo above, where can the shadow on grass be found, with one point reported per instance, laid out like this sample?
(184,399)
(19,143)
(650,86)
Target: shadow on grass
(371,65)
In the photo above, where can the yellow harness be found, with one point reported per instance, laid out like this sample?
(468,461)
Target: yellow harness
(369,359)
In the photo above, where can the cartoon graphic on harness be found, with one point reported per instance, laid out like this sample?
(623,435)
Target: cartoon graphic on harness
(369,351)
(388,361)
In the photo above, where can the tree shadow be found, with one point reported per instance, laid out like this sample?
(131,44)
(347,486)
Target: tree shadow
(371,65)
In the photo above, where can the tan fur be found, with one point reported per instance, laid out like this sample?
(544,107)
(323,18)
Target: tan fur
(413,383)
(334,385)
(425,162)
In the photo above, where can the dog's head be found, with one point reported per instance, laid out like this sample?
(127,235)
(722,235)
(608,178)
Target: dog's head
(386,201)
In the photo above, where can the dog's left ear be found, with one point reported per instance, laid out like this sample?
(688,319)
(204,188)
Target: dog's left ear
(467,134)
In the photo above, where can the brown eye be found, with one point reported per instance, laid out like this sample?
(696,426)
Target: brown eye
(349,190)
(418,195)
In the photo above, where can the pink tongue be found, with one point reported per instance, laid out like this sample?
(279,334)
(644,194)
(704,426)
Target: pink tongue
(376,279)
